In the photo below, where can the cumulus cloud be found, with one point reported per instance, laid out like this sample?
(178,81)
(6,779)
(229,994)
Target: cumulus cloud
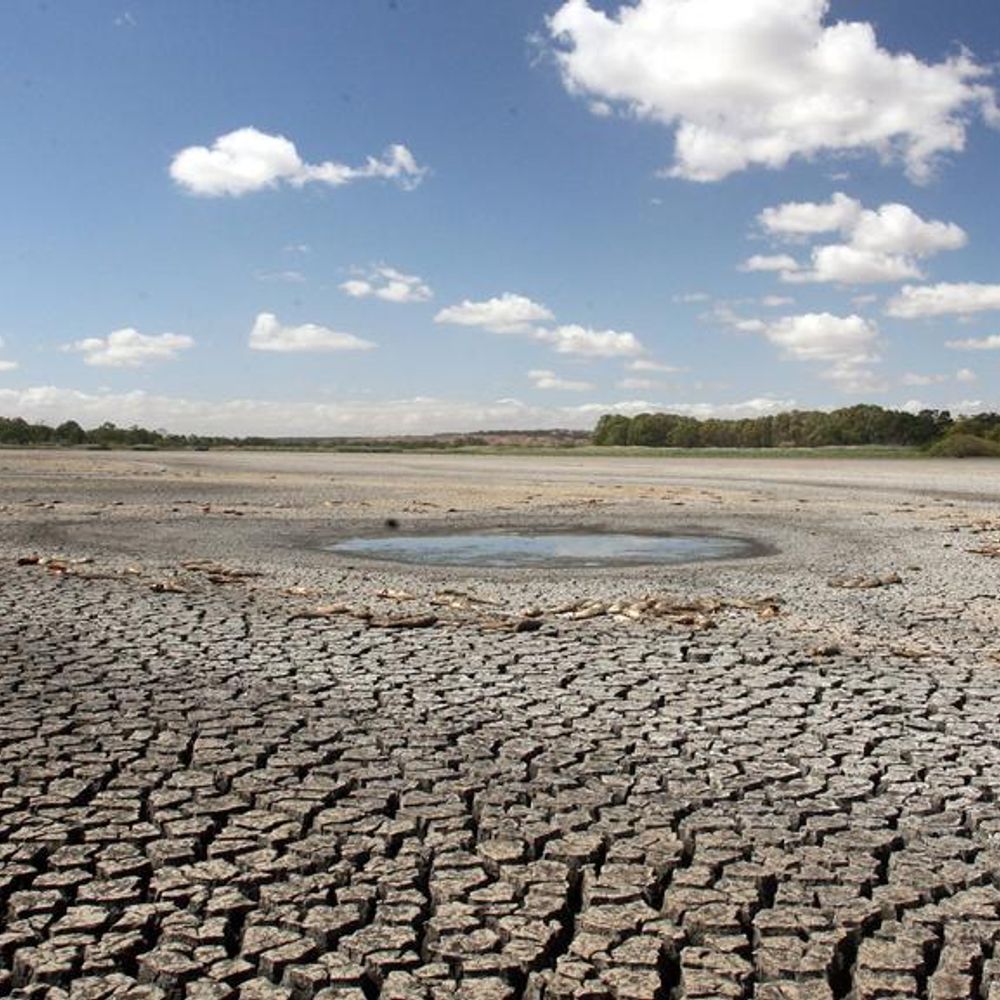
(825,337)
(506,313)
(412,415)
(961,299)
(6,366)
(724,314)
(769,262)
(574,339)
(847,265)
(288,277)
(965,375)
(854,380)
(388,284)
(990,343)
(649,365)
(963,407)
(542,378)
(914,378)
(897,229)
(510,313)
(755,407)
(269,335)
(848,344)
(127,348)
(250,160)
(762,81)
(879,245)
(776,301)
(807,218)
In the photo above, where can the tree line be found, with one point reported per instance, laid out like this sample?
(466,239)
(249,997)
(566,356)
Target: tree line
(17,432)
(864,424)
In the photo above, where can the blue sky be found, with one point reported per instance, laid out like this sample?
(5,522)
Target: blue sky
(358,216)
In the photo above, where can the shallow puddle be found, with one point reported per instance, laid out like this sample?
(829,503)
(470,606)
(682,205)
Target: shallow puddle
(562,549)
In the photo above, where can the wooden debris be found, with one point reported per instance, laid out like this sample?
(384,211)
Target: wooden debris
(826,650)
(403,621)
(395,595)
(865,582)
(215,570)
(990,551)
(323,611)
(512,624)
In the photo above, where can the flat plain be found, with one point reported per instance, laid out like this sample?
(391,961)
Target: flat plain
(235,765)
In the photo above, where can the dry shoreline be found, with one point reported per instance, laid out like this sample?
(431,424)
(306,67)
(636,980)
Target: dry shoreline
(296,773)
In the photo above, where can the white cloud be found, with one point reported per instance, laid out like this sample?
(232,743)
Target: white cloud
(897,229)
(636,383)
(574,339)
(725,315)
(776,301)
(807,218)
(507,313)
(848,265)
(848,344)
(6,366)
(758,406)
(964,375)
(285,277)
(913,378)
(388,284)
(763,81)
(510,313)
(269,335)
(542,378)
(250,160)
(414,415)
(990,343)
(824,337)
(859,381)
(944,299)
(127,348)
(688,297)
(881,245)
(648,365)
(769,262)
(966,406)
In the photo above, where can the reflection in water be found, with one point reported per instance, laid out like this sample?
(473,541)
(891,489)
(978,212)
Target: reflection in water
(555,549)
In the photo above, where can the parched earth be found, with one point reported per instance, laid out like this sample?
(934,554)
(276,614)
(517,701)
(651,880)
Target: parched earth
(233,765)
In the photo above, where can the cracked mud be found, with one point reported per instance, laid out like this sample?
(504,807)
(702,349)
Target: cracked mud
(778,782)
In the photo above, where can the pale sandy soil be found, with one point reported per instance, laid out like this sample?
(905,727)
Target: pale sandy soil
(231,770)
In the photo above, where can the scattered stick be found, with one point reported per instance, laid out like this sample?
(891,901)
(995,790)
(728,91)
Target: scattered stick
(865,582)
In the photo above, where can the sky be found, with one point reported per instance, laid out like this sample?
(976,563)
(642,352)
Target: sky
(349,217)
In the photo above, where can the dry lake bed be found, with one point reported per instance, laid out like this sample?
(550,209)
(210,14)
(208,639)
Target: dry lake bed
(235,763)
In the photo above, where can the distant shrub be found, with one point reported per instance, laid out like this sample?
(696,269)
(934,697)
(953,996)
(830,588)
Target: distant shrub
(964,446)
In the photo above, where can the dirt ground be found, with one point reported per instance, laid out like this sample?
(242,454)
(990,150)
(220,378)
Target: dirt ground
(235,764)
